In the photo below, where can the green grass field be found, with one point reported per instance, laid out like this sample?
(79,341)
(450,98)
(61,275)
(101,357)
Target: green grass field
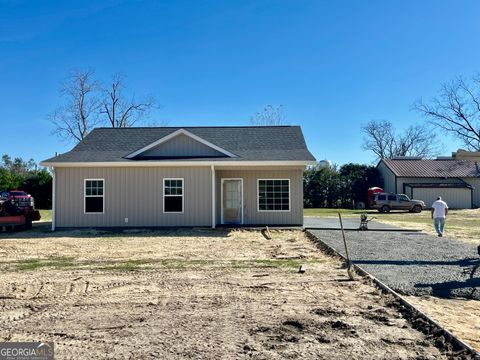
(46,215)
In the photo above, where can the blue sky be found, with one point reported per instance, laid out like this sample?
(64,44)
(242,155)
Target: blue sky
(333,65)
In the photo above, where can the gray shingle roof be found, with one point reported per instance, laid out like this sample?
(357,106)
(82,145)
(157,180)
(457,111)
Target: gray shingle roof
(249,143)
(432,168)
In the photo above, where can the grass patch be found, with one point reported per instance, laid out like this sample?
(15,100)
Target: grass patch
(129,265)
(149,264)
(272,263)
(34,264)
(328,212)
(45,215)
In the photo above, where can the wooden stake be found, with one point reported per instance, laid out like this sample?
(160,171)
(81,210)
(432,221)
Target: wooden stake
(349,263)
(268,232)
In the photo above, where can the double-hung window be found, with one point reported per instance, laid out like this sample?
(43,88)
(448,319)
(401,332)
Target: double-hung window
(94,196)
(273,195)
(173,195)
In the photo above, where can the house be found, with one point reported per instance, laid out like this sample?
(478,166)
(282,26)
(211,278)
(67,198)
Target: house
(456,180)
(190,176)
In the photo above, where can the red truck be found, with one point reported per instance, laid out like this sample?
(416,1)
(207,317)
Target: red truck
(17,210)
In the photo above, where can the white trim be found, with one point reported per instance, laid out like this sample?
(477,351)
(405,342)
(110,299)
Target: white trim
(153,163)
(174,134)
(221,197)
(85,197)
(289,197)
(183,196)
(53,197)
(214,220)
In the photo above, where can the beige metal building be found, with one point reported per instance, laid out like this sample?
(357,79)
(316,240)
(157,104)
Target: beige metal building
(456,181)
(198,176)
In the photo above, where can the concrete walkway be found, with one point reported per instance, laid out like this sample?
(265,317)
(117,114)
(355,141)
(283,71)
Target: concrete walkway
(410,263)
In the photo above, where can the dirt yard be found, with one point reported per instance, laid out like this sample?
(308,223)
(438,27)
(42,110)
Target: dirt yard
(194,294)
(460,316)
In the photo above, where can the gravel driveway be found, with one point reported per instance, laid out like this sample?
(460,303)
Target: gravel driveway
(410,263)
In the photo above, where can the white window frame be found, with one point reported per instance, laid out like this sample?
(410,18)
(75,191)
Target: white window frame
(183,196)
(85,197)
(289,196)
(221,198)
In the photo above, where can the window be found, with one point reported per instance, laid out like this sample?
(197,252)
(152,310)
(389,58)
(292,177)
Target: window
(381,197)
(274,195)
(173,195)
(392,198)
(94,199)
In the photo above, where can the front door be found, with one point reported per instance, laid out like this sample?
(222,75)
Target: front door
(232,201)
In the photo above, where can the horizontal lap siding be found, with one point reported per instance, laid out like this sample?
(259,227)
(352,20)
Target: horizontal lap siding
(133,193)
(251,215)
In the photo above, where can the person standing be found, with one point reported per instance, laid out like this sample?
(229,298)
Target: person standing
(439,214)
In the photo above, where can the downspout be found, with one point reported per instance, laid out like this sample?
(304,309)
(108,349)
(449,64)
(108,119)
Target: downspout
(53,197)
(213,197)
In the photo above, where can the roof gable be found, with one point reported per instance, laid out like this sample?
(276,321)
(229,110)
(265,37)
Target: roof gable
(180,144)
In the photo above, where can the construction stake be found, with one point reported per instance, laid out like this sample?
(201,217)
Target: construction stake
(349,263)
(268,232)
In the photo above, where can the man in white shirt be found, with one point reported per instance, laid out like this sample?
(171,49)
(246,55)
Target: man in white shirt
(439,213)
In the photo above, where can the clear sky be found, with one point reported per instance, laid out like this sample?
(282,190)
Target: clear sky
(333,65)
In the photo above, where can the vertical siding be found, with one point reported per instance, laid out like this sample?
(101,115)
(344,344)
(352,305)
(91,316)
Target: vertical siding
(459,199)
(182,145)
(475,182)
(133,193)
(388,177)
(404,180)
(250,213)
(455,198)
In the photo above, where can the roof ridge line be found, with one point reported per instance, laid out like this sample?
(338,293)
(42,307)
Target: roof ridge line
(196,127)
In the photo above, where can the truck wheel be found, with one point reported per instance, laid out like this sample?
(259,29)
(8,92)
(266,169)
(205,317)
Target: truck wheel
(385,209)
(360,205)
(417,209)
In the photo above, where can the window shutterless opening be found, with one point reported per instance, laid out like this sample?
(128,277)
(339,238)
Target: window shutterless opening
(94,196)
(173,195)
(273,194)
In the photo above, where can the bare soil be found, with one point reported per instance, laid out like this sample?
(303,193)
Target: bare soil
(192,294)
(460,316)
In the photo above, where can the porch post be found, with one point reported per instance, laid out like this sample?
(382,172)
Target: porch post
(213,198)
(53,197)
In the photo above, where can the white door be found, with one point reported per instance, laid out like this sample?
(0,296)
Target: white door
(232,202)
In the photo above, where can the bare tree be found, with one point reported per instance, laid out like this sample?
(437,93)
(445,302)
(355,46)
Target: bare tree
(119,111)
(456,110)
(78,115)
(270,116)
(88,104)
(381,138)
